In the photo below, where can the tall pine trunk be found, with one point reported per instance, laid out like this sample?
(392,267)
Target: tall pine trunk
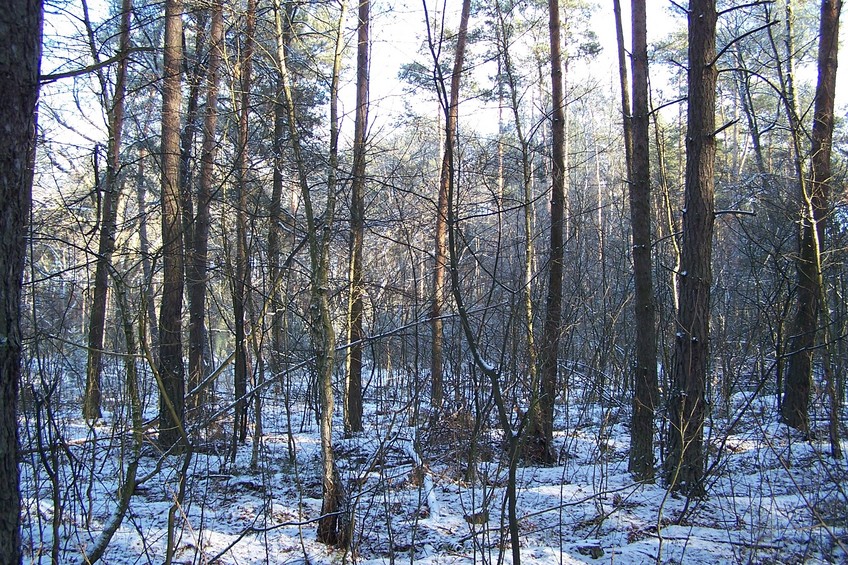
(242,272)
(20,57)
(196,268)
(685,462)
(541,434)
(441,257)
(809,301)
(353,362)
(171,370)
(645,391)
(108,222)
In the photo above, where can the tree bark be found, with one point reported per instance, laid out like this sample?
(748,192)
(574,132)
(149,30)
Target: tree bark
(353,369)
(171,370)
(645,391)
(148,294)
(20,57)
(541,434)
(188,135)
(441,250)
(108,222)
(331,529)
(242,272)
(814,208)
(275,209)
(527,185)
(199,258)
(685,462)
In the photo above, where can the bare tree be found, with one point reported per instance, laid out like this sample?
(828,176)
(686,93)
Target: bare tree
(685,462)
(639,187)
(511,77)
(283,20)
(541,433)
(109,210)
(353,361)
(441,257)
(197,267)
(810,303)
(331,530)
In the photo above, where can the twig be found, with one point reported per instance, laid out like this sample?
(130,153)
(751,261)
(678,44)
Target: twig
(255,530)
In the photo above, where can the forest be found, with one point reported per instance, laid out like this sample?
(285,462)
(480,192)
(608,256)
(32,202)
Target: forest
(387,281)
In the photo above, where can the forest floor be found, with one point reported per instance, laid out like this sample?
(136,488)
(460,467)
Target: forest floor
(773,497)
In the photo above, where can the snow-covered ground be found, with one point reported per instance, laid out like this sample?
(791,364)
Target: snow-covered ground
(773,497)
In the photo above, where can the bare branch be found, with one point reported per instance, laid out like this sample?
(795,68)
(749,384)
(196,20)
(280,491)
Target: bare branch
(53,77)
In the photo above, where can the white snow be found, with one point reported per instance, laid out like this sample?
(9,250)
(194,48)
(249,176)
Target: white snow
(773,497)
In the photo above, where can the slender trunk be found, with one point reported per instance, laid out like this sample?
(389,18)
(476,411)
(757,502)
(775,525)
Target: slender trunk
(743,88)
(170,311)
(194,76)
(188,137)
(451,102)
(196,268)
(127,487)
(527,185)
(353,369)
(685,463)
(802,340)
(108,222)
(242,267)
(331,530)
(148,294)
(627,117)
(541,437)
(645,392)
(511,437)
(20,35)
(811,297)
(278,318)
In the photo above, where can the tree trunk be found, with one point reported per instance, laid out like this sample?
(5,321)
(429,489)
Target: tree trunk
(685,463)
(20,35)
(196,268)
(818,201)
(814,203)
(276,219)
(148,294)
(743,88)
(171,395)
(527,185)
(108,222)
(441,250)
(126,488)
(331,529)
(188,136)
(241,267)
(627,117)
(541,433)
(645,391)
(353,372)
